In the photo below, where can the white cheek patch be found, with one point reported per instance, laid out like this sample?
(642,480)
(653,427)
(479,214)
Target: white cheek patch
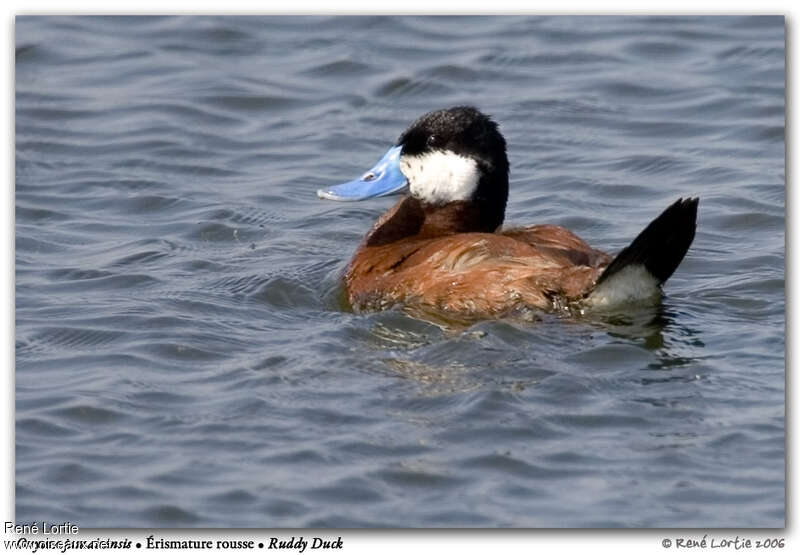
(438,177)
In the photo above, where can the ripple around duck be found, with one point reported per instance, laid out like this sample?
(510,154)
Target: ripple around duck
(239,284)
(176,112)
(256,216)
(282,293)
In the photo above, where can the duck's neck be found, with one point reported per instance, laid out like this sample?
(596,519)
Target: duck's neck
(404,219)
(413,218)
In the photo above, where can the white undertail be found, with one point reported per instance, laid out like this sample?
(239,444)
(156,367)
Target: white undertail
(630,284)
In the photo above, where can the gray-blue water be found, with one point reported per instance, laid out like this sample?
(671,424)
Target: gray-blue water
(182,355)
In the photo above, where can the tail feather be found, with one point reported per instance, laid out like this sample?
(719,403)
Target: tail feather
(660,248)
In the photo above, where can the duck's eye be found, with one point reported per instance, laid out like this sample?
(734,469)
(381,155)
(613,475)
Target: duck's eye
(368,177)
(433,140)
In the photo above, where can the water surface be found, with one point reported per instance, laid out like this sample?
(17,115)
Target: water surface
(183,358)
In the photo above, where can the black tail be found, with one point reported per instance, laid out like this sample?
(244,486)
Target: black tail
(662,245)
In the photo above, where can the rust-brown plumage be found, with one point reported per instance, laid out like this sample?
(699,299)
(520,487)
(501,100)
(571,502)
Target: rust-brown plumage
(415,255)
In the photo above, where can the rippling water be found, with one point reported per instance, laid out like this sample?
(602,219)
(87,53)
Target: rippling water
(183,357)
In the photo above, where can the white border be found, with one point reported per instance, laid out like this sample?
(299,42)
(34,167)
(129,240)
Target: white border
(430,541)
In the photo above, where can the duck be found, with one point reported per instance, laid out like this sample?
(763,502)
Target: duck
(442,246)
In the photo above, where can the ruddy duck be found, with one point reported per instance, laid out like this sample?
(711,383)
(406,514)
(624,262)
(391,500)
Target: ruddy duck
(441,246)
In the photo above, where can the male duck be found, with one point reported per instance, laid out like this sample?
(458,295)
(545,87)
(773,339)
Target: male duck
(441,246)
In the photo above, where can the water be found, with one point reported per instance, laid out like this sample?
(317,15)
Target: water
(183,358)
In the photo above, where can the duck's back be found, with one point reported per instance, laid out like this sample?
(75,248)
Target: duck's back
(480,274)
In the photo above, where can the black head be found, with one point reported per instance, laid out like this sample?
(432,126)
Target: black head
(457,155)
